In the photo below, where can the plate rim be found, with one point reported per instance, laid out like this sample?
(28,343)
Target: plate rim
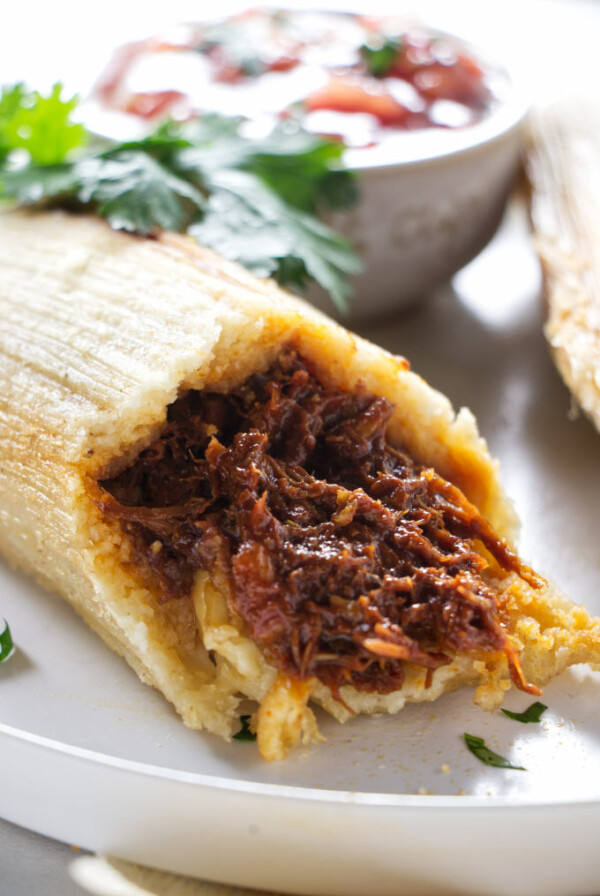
(292,792)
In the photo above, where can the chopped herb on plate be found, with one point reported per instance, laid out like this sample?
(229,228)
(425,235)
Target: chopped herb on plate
(478,748)
(533,713)
(245,733)
(6,642)
(255,201)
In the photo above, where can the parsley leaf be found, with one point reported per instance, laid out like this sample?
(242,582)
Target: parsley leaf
(10,103)
(325,257)
(135,192)
(245,733)
(32,184)
(301,168)
(40,125)
(533,713)
(253,200)
(478,748)
(246,221)
(242,221)
(130,189)
(380,57)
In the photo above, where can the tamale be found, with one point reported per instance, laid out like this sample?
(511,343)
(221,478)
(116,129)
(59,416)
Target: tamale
(330,533)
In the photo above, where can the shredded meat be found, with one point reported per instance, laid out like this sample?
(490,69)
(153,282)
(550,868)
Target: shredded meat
(344,557)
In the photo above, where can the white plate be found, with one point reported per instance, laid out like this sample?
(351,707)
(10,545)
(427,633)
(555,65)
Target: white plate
(390,805)
(90,756)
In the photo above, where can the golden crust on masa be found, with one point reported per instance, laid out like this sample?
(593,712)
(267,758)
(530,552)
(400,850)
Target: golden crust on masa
(100,332)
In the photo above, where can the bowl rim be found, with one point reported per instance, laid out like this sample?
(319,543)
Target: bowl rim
(434,144)
(428,144)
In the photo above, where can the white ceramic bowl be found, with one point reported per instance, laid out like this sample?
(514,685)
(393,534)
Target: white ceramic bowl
(429,204)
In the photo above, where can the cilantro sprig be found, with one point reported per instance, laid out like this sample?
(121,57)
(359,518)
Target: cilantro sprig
(256,201)
(41,126)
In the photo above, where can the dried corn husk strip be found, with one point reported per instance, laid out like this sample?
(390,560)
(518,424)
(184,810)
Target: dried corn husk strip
(563,167)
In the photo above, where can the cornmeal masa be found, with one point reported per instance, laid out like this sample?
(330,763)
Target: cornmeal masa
(344,558)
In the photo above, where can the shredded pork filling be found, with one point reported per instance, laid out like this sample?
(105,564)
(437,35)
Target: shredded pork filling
(343,558)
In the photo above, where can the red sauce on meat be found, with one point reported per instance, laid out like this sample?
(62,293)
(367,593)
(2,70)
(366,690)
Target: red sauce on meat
(343,558)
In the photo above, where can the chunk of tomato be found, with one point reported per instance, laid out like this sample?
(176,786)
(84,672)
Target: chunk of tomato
(341,95)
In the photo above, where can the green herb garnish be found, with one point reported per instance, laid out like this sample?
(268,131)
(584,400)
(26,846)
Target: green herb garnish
(255,201)
(39,125)
(6,643)
(239,46)
(11,99)
(532,714)
(380,55)
(245,733)
(479,749)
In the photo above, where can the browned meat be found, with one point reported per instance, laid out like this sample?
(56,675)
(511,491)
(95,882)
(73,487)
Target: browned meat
(344,557)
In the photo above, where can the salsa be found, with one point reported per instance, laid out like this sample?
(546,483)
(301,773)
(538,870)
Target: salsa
(343,75)
(341,556)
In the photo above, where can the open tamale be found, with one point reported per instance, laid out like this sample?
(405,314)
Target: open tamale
(245,500)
